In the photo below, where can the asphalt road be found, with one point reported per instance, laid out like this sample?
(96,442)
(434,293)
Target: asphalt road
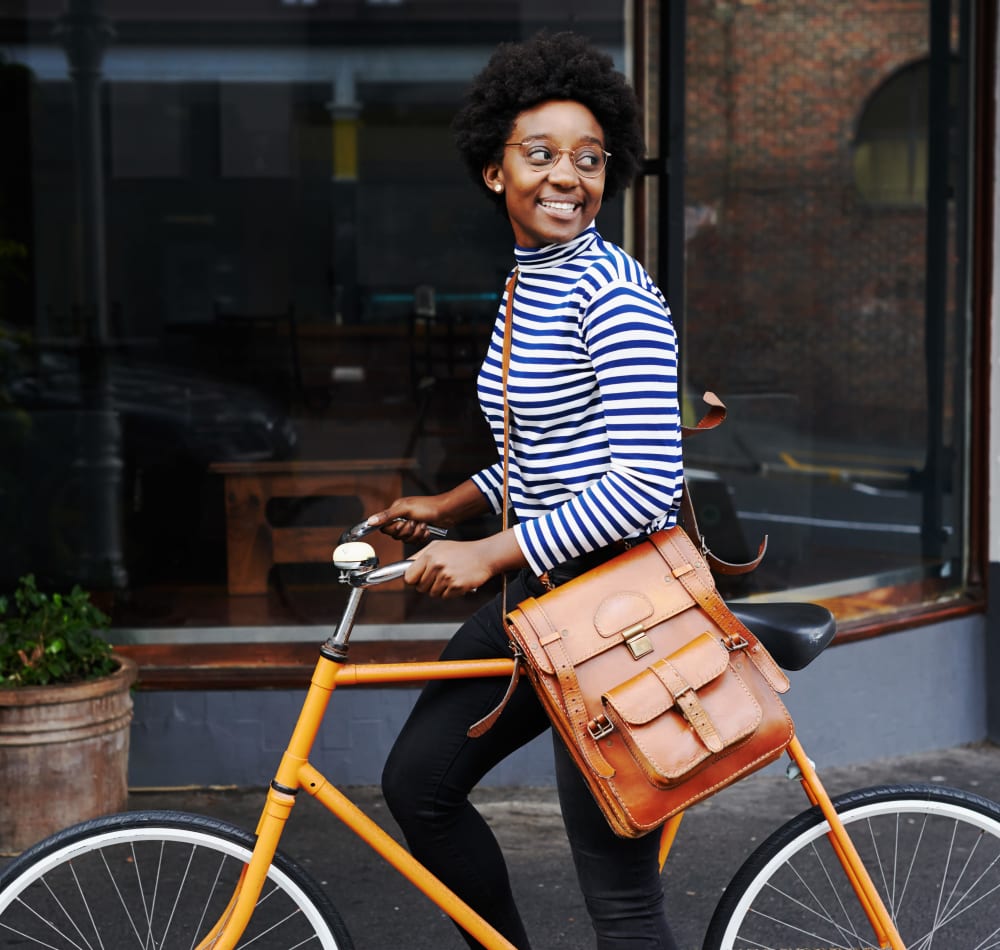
(383,911)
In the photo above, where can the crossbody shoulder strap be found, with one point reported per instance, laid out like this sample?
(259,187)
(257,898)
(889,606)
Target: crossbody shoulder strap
(486,723)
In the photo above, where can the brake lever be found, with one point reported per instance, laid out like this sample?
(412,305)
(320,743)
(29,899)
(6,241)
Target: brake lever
(363,529)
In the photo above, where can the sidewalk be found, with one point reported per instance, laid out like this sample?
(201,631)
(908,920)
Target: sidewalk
(382,910)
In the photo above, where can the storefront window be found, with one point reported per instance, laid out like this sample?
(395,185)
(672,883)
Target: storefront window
(245,287)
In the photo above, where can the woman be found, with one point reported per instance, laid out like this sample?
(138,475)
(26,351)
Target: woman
(549,130)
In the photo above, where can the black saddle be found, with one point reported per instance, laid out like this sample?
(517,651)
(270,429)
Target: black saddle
(794,634)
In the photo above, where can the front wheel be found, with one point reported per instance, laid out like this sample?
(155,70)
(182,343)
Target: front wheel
(933,854)
(155,879)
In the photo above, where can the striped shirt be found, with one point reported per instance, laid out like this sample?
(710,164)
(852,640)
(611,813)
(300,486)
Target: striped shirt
(595,441)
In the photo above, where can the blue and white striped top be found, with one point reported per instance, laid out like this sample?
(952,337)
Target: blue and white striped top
(595,440)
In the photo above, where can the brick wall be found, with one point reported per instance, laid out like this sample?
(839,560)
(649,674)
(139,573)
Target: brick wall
(794,283)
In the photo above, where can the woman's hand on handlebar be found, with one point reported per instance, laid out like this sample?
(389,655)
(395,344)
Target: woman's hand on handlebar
(407,519)
(453,568)
(449,568)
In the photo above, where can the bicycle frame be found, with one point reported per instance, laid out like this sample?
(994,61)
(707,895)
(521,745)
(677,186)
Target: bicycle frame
(295,773)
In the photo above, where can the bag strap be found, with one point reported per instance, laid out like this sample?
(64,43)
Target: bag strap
(486,723)
(681,556)
(577,715)
(690,521)
(715,416)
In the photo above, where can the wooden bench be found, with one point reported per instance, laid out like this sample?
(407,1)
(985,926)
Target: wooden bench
(253,544)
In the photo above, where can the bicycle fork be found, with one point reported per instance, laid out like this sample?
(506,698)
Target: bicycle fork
(872,904)
(874,908)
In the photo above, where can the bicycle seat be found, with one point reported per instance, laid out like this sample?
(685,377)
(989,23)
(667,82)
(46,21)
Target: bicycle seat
(794,634)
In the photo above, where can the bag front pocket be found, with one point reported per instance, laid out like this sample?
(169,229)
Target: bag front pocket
(682,710)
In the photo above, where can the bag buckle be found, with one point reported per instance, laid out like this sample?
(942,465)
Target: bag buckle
(600,727)
(732,644)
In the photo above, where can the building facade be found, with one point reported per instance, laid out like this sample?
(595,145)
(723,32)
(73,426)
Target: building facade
(245,286)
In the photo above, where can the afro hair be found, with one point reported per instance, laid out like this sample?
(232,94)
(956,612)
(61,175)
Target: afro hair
(549,67)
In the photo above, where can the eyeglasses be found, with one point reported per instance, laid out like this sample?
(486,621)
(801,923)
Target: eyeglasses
(588,160)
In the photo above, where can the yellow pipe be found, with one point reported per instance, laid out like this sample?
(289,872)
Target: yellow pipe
(857,873)
(667,836)
(356,674)
(401,859)
(295,764)
(227,931)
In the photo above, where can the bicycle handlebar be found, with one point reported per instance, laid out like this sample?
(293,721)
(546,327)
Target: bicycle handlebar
(358,569)
(378,575)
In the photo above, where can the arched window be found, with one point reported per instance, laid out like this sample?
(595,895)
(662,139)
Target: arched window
(890,142)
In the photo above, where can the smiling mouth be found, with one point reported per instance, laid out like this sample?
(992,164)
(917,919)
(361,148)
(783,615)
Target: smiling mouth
(562,207)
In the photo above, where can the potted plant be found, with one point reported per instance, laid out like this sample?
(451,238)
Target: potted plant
(65,710)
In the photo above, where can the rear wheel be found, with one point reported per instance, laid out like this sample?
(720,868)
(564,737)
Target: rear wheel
(932,852)
(155,879)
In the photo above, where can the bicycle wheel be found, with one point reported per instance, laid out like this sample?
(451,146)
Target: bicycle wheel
(155,879)
(933,854)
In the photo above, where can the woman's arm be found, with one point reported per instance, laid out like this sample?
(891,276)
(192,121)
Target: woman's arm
(631,343)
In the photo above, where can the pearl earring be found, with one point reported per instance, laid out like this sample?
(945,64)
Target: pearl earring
(498,188)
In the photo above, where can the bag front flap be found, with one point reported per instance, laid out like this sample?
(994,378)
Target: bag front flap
(648,695)
(684,708)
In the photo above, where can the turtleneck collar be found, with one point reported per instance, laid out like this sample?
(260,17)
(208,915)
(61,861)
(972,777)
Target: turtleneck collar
(539,258)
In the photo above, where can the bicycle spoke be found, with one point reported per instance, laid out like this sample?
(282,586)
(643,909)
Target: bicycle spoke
(86,905)
(851,932)
(933,854)
(121,900)
(793,928)
(66,914)
(818,911)
(177,899)
(204,910)
(43,920)
(128,882)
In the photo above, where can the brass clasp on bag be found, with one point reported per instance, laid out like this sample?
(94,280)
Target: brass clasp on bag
(732,644)
(638,642)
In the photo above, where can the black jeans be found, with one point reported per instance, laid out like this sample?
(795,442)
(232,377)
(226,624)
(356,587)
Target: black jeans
(434,765)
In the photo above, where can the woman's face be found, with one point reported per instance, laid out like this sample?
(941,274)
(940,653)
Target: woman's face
(549,205)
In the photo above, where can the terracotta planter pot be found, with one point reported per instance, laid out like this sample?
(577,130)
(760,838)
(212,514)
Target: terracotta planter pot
(63,755)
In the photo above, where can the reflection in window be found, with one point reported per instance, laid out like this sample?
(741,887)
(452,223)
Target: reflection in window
(298,282)
(890,144)
(807,312)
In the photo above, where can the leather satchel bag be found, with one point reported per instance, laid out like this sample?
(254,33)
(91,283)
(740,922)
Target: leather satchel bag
(661,695)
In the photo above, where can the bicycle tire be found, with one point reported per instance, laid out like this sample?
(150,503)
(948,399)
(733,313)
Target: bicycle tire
(155,879)
(933,853)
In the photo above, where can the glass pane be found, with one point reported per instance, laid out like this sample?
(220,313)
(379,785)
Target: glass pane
(832,325)
(246,286)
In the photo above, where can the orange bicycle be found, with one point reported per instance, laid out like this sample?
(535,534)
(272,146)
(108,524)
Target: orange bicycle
(901,866)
